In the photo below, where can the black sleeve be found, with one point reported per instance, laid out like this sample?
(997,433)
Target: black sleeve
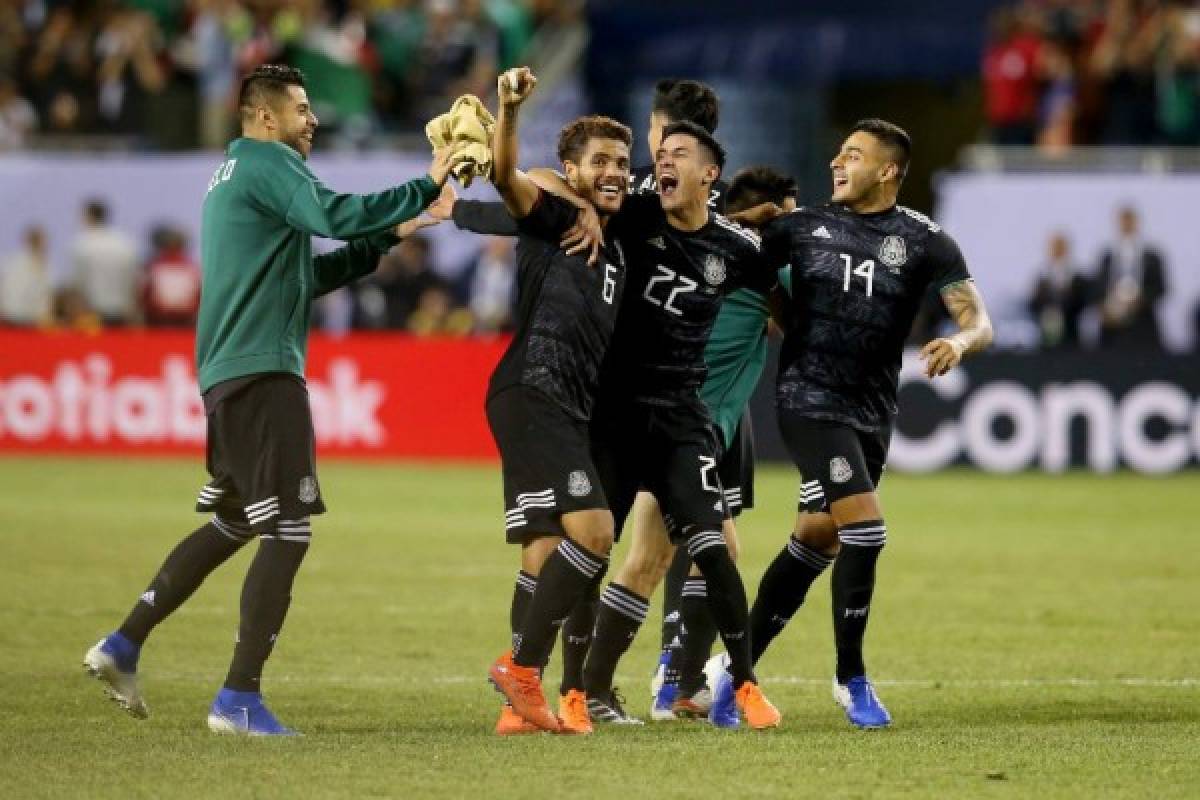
(480,217)
(549,218)
(946,264)
(777,242)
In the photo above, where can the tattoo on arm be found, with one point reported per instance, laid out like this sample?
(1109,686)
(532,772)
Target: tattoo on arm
(966,308)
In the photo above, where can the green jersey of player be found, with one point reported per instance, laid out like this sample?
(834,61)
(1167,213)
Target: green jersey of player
(259,276)
(735,356)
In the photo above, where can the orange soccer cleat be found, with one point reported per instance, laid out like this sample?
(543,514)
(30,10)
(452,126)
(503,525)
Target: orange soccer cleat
(756,708)
(573,713)
(523,688)
(513,724)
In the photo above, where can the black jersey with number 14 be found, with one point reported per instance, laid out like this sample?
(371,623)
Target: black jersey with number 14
(857,283)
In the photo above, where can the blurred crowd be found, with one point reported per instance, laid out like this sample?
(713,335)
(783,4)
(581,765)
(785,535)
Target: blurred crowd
(1094,72)
(166,72)
(1112,304)
(111,280)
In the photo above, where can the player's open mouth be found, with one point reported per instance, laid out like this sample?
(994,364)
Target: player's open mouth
(611,190)
(840,180)
(667,184)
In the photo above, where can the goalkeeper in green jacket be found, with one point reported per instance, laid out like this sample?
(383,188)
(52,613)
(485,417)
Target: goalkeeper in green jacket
(261,209)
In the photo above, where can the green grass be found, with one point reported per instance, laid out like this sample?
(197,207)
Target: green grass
(1033,637)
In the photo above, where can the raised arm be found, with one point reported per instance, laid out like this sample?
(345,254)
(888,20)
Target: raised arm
(519,193)
(966,308)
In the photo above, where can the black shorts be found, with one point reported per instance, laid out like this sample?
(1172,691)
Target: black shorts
(546,462)
(736,468)
(669,452)
(262,455)
(835,460)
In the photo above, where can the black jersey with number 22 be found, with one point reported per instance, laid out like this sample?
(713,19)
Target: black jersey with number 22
(857,283)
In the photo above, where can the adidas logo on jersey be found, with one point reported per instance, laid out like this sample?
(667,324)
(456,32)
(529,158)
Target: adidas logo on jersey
(821,233)
(658,242)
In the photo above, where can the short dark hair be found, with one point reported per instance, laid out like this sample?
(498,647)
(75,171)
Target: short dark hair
(684,100)
(753,186)
(574,137)
(265,85)
(96,210)
(706,139)
(893,137)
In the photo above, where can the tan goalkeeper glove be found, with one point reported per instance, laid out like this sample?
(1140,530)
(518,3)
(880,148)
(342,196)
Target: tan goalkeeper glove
(467,126)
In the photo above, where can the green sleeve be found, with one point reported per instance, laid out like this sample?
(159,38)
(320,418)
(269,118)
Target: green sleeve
(349,263)
(320,211)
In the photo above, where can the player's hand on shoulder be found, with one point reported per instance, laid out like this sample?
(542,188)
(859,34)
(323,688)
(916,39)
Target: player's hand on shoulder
(515,85)
(941,356)
(757,216)
(585,236)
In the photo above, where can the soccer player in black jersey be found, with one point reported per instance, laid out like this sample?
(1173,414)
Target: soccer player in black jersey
(541,394)
(861,265)
(650,429)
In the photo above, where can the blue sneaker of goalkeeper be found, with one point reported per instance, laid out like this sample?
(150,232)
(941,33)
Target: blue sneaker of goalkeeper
(244,714)
(862,705)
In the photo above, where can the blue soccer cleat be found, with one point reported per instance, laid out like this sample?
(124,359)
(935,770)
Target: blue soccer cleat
(113,661)
(660,672)
(244,714)
(862,705)
(664,702)
(724,711)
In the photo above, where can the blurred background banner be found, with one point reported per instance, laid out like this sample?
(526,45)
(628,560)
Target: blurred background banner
(1058,141)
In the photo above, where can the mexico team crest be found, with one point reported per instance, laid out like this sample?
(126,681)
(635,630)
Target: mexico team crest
(839,470)
(714,269)
(578,484)
(893,251)
(308,490)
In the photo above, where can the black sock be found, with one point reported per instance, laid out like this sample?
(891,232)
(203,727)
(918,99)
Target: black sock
(577,636)
(266,595)
(622,612)
(726,600)
(564,579)
(701,633)
(781,592)
(184,569)
(677,573)
(522,594)
(853,584)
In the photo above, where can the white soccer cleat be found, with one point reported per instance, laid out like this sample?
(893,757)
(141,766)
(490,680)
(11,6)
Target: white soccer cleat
(112,662)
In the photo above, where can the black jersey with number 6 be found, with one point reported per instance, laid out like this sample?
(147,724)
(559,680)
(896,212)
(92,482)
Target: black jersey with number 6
(857,282)
(677,280)
(566,310)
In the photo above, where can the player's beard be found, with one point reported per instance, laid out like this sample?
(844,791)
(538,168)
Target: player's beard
(298,142)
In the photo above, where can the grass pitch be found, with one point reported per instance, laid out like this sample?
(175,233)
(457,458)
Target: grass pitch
(1033,637)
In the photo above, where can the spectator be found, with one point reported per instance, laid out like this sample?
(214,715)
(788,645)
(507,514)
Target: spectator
(493,286)
(1059,297)
(171,295)
(106,267)
(1122,61)
(436,314)
(17,117)
(1130,283)
(25,283)
(1010,78)
(388,297)
(71,312)
(458,54)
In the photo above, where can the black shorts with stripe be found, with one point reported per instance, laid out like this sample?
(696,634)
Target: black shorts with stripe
(736,468)
(546,463)
(669,451)
(262,455)
(835,460)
